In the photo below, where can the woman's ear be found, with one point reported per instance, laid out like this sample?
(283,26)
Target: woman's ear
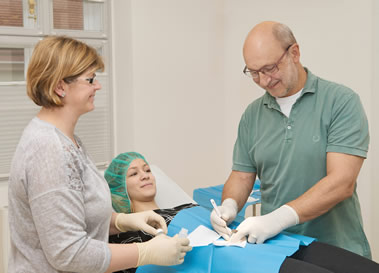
(60,89)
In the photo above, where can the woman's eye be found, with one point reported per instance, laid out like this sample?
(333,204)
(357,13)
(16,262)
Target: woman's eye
(148,170)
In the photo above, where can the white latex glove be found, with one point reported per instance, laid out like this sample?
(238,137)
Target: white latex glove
(163,250)
(228,210)
(260,228)
(148,221)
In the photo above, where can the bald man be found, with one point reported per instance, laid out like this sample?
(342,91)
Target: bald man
(306,138)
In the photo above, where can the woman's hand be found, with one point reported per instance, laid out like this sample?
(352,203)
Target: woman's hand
(163,250)
(147,221)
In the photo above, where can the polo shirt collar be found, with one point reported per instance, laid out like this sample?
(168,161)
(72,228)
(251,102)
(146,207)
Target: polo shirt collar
(310,84)
(310,87)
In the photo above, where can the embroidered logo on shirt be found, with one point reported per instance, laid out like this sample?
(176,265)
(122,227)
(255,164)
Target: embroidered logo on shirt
(316,138)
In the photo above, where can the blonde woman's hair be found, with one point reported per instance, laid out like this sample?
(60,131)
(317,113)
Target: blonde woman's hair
(54,59)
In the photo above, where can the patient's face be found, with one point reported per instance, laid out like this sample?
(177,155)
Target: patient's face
(140,182)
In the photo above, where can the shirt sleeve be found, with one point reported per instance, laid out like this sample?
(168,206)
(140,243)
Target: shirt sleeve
(56,198)
(241,158)
(348,132)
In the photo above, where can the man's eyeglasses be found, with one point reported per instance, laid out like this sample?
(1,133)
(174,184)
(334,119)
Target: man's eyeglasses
(268,70)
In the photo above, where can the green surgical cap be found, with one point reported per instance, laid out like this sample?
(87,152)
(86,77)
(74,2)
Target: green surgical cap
(116,178)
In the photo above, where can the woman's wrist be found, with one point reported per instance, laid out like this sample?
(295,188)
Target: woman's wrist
(117,222)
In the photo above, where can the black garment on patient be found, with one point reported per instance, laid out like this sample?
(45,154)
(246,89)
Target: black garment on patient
(140,236)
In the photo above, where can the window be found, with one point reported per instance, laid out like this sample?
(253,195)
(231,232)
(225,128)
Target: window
(12,63)
(11,13)
(77,15)
(22,24)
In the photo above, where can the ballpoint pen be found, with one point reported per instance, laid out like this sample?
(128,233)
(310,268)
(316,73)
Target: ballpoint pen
(215,207)
(219,215)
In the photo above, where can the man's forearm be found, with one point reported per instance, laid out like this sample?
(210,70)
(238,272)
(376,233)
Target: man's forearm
(318,200)
(238,187)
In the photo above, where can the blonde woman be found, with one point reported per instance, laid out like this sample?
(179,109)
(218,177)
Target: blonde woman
(60,209)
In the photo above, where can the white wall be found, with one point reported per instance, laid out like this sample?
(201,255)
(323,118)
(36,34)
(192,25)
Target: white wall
(177,89)
(180,89)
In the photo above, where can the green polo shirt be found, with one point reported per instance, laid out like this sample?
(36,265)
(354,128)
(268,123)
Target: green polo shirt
(289,154)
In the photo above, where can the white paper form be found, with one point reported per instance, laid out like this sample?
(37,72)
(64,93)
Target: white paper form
(203,236)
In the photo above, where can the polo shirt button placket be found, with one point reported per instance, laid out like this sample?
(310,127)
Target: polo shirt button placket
(289,131)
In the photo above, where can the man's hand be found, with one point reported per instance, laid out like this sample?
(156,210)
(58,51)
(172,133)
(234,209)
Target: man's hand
(260,228)
(228,211)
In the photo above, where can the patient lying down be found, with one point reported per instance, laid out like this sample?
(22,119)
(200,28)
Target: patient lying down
(133,189)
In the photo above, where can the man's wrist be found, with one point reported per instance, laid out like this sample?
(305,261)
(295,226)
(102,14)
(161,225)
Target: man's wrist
(290,215)
(231,203)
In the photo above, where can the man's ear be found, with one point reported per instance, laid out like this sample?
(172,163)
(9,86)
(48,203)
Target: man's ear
(295,53)
(60,89)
